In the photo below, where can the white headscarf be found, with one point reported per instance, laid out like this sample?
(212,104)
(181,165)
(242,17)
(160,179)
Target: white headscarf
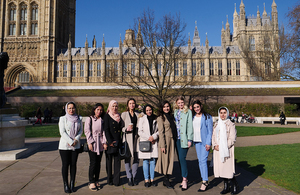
(222,136)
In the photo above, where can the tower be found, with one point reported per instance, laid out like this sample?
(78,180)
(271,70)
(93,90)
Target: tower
(196,38)
(33,32)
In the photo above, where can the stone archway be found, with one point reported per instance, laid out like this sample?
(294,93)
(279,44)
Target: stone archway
(11,78)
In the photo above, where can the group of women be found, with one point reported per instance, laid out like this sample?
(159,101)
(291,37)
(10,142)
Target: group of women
(167,132)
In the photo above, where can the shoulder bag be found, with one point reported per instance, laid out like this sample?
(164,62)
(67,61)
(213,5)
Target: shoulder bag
(124,150)
(145,146)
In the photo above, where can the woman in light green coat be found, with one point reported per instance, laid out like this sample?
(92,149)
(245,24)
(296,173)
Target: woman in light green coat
(184,125)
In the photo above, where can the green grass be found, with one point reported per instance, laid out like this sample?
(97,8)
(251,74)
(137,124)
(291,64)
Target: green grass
(43,131)
(52,131)
(243,131)
(278,163)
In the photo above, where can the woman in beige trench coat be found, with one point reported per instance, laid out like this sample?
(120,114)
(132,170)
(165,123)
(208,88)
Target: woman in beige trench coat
(148,132)
(130,118)
(167,135)
(223,139)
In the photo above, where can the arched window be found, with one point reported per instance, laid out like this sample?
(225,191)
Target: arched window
(34,19)
(252,43)
(24,77)
(23,19)
(12,19)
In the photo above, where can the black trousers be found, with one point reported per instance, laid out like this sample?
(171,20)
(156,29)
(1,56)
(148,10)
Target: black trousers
(95,166)
(117,165)
(68,159)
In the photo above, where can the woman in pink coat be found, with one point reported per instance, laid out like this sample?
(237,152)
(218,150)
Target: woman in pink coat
(96,140)
(223,139)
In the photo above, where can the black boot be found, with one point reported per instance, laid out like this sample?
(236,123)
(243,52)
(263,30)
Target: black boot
(66,188)
(130,182)
(72,186)
(234,186)
(167,183)
(226,187)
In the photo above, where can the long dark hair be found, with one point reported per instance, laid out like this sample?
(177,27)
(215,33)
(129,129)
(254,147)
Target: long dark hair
(201,106)
(127,108)
(144,110)
(161,112)
(95,107)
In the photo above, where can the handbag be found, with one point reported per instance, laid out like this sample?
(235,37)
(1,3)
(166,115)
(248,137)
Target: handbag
(83,148)
(145,146)
(124,150)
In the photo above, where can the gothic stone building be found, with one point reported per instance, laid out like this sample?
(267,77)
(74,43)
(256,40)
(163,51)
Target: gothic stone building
(39,38)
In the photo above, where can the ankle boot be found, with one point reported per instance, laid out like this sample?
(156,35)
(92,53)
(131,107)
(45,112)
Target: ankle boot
(72,186)
(166,182)
(66,188)
(234,186)
(226,187)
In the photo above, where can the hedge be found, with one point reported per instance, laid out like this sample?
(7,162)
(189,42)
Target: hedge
(84,109)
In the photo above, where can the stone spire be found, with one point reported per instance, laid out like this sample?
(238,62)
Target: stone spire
(189,45)
(139,38)
(69,46)
(207,44)
(196,38)
(242,11)
(94,42)
(258,19)
(120,46)
(274,15)
(235,21)
(265,13)
(103,47)
(235,14)
(86,46)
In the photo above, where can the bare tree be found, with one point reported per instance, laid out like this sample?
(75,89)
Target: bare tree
(159,56)
(263,59)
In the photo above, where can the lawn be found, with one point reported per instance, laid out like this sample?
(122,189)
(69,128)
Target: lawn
(279,163)
(52,131)
(42,131)
(243,131)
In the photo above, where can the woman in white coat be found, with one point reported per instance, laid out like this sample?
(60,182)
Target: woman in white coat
(148,132)
(223,139)
(70,129)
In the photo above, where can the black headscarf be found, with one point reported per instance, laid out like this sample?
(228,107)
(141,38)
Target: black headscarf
(170,118)
(150,118)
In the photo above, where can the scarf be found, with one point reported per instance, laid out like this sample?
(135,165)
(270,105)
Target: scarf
(74,120)
(150,118)
(112,114)
(222,136)
(172,125)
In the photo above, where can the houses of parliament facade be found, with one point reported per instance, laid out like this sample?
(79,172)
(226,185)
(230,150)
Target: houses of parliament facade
(39,37)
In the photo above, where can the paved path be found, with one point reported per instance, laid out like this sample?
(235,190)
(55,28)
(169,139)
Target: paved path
(40,173)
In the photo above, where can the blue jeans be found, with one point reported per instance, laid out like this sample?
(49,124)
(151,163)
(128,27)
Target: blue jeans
(181,153)
(202,155)
(149,163)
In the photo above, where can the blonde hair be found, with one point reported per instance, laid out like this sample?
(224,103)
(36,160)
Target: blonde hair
(185,108)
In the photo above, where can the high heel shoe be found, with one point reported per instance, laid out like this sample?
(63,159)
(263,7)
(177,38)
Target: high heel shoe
(66,188)
(206,186)
(184,185)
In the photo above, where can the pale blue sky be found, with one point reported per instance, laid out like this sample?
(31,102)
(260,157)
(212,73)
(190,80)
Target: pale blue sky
(113,17)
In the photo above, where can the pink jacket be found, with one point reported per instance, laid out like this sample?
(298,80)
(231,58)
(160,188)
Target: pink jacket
(97,136)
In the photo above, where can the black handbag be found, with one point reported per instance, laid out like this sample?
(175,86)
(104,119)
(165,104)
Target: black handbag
(124,150)
(145,146)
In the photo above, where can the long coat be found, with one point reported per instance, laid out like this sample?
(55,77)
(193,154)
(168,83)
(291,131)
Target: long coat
(165,160)
(144,134)
(186,127)
(227,168)
(131,137)
(112,130)
(64,130)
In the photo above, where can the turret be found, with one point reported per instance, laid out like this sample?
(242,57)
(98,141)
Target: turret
(120,46)
(196,38)
(69,46)
(258,19)
(94,42)
(242,25)
(139,38)
(86,47)
(227,32)
(103,47)
(235,22)
(274,15)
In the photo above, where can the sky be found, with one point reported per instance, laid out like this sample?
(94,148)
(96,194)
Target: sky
(114,17)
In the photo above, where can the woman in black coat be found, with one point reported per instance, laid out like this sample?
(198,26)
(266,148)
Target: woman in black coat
(113,127)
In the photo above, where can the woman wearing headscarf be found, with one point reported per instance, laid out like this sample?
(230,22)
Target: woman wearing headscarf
(95,137)
(184,125)
(167,137)
(223,139)
(70,128)
(148,132)
(130,118)
(203,127)
(112,127)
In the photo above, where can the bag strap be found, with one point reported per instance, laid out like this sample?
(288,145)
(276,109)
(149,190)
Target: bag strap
(91,123)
